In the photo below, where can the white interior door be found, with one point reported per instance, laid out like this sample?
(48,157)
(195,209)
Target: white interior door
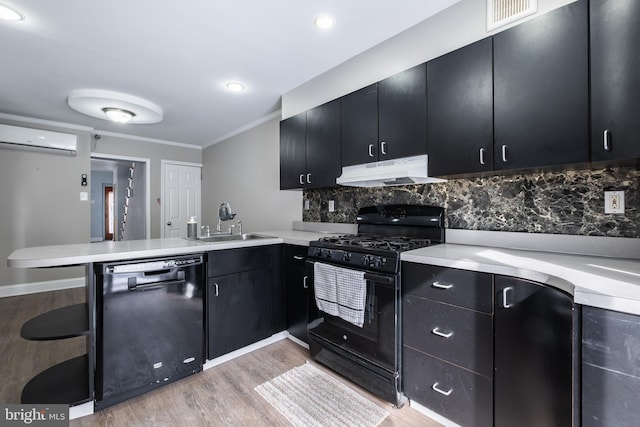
(181,198)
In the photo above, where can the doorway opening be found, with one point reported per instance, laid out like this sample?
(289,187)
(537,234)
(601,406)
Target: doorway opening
(120,207)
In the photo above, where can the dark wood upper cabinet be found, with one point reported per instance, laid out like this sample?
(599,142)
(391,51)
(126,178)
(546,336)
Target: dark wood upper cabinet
(402,113)
(541,91)
(460,111)
(310,148)
(615,80)
(386,120)
(293,151)
(323,145)
(359,124)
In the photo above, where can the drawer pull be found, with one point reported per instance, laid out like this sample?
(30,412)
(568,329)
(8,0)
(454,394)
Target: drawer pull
(438,332)
(304,282)
(298,258)
(441,286)
(435,387)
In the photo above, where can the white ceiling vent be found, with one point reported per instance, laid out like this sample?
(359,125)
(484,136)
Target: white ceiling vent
(503,12)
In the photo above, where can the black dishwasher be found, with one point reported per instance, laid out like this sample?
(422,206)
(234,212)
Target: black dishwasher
(149,325)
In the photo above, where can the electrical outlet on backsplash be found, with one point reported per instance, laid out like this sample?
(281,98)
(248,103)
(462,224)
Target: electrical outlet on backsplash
(566,202)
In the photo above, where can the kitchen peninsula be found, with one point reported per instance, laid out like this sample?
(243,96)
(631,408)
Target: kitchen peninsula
(600,285)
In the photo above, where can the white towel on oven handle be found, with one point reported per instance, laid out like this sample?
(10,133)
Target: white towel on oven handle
(340,292)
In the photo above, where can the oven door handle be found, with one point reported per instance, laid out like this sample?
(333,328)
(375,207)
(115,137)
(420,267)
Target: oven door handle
(379,279)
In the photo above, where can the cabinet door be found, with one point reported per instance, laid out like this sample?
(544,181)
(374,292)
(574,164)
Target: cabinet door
(359,124)
(323,145)
(615,81)
(240,311)
(541,91)
(460,112)
(296,290)
(532,355)
(293,152)
(402,114)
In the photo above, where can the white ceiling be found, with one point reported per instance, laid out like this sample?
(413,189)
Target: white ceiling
(179,55)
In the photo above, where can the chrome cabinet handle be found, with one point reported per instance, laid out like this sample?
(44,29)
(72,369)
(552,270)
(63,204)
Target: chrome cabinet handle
(435,387)
(439,285)
(301,179)
(482,156)
(298,257)
(308,178)
(304,282)
(215,285)
(505,303)
(438,332)
(383,147)
(605,140)
(370,150)
(504,153)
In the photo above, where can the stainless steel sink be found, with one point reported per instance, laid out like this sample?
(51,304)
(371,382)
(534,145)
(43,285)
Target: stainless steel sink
(233,237)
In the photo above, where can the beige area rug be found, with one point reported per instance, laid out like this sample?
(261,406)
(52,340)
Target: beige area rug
(309,397)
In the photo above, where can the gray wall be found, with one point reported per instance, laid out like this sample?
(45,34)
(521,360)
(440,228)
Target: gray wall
(41,205)
(156,153)
(245,171)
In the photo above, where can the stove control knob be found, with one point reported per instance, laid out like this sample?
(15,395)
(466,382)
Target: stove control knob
(378,262)
(327,253)
(346,256)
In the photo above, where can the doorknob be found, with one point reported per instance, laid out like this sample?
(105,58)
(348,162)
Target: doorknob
(169,223)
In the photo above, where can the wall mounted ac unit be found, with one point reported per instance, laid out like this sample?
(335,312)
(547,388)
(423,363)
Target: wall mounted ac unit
(36,139)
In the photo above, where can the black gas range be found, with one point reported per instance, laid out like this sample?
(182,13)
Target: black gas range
(363,341)
(383,233)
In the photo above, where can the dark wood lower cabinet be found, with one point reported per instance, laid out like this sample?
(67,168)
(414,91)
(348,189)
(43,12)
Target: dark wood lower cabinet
(533,355)
(610,368)
(245,300)
(297,292)
(455,393)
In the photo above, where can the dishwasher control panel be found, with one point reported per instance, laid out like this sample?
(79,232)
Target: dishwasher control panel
(153,265)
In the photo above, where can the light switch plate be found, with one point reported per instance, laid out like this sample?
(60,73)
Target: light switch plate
(84,196)
(306,204)
(332,205)
(614,202)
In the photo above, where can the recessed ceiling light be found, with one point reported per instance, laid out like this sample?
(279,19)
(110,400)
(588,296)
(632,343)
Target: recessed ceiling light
(9,14)
(324,22)
(235,86)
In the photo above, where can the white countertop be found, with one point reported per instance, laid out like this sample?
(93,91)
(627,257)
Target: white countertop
(85,253)
(611,283)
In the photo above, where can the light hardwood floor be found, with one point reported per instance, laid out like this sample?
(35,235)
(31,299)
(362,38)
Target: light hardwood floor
(221,396)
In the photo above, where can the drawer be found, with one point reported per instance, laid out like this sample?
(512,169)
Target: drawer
(609,398)
(455,393)
(458,335)
(468,289)
(228,261)
(611,339)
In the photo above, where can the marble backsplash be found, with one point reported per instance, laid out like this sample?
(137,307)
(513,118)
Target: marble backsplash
(566,202)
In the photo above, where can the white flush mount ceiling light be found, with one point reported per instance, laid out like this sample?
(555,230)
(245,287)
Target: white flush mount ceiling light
(9,14)
(235,86)
(119,115)
(114,106)
(324,22)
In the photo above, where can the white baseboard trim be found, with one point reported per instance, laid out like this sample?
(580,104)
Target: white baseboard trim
(245,350)
(298,341)
(35,287)
(433,415)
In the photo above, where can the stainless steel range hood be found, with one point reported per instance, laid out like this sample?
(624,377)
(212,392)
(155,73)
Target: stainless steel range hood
(404,171)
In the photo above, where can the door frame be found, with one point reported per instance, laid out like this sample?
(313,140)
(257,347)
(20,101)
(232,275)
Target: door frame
(147,183)
(163,164)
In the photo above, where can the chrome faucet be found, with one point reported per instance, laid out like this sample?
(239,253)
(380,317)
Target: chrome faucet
(224,214)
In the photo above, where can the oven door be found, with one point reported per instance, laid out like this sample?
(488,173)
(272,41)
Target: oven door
(377,341)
